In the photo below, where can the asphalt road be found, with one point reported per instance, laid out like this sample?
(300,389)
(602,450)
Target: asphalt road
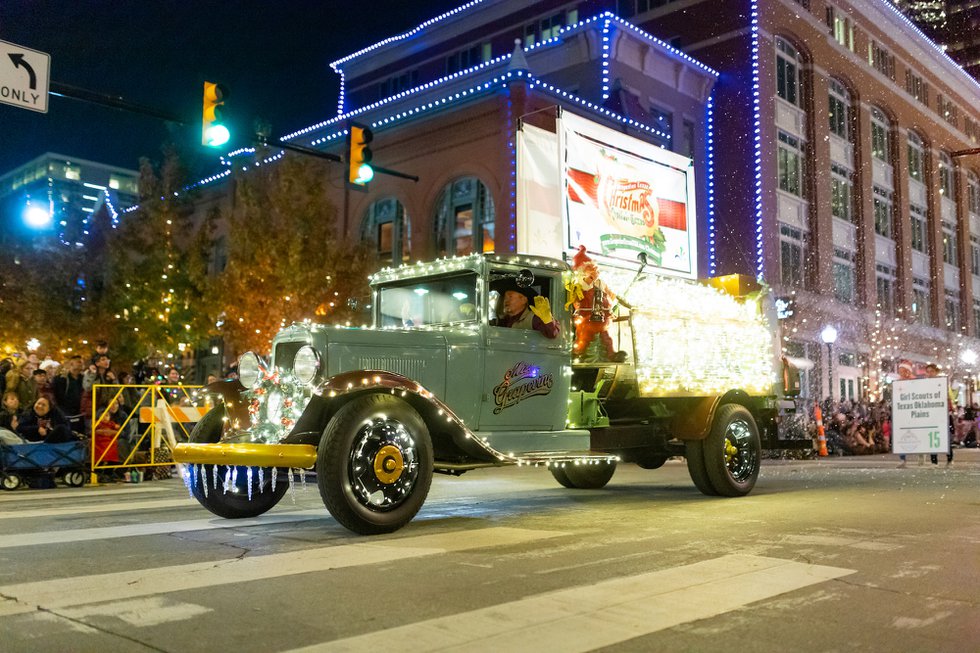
(834,555)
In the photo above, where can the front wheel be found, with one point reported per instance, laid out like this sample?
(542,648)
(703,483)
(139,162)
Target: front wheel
(374,464)
(74,478)
(233,492)
(733,451)
(10,482)
(584,476)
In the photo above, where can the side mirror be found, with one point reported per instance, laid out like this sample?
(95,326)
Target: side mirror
(524,278)
(642,258)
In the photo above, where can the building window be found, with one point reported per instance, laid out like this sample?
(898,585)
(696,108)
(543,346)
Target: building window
(885,288)
(550,27)
(916,87)
(844,276)
(976,315)
(464,220)
(884,212)
(952,310)
(920,235)
(840,107)
(792,246)
(841,194)
(790,164)
(880,136)
(788,81)
(467,58)
(950,244)
(947,187)
(975,255)
(972,129)
(841,27)
(916,157)
(881,60)
(398,83)
(386,226)
(947,110)
(920,301)
(634,7)
(973,194)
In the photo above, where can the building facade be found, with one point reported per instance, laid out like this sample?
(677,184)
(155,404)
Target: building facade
(55,196)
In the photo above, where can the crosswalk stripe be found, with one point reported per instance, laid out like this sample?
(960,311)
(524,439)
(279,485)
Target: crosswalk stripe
(118,586)
(66,494)
(135,530)
(97,508)
(593,616)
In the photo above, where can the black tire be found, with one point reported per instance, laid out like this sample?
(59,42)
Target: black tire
(694,452)
(651,461)
(584,476)
(374,464)
(10,482)
(74,478)
(230,497)
(733,451)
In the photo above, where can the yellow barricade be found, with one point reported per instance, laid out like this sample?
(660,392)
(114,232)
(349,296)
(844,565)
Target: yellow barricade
(161,417)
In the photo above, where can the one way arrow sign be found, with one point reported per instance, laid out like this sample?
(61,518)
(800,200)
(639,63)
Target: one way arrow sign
(24,77)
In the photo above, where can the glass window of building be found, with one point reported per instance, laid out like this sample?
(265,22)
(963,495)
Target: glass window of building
(884,212)
(845,283)
(975,254)
(885,288)
(386,227)
(952,310)
(916,157)
(950,244)
(792,247)
(947,185)
(921,311)
(788,80)
(840,110)
(841,193)
(920,235)
(464,220)
(880,136)
(790,164)
(976,314)
(973,193)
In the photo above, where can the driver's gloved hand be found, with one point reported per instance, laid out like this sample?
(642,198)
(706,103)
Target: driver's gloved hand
(542,308)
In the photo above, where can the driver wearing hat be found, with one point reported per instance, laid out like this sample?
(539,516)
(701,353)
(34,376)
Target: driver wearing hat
(523,308)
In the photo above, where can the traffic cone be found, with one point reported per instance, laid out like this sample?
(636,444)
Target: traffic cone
(821,435)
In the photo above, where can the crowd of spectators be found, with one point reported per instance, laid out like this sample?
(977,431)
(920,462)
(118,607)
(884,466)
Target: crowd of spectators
(48,401)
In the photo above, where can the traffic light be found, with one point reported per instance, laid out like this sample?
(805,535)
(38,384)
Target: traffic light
(359,170)
(214,132)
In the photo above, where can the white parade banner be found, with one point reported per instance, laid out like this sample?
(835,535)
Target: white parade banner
(920,415)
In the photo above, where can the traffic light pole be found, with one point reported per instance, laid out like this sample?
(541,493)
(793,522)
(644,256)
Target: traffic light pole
(84,95)
(309,151)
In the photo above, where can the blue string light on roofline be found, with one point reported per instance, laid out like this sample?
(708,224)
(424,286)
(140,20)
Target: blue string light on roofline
(710,156)
(757,136)
(605,58)
(113,214)
(512,174)
(342,92)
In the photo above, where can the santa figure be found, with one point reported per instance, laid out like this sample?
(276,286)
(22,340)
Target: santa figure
(592,301)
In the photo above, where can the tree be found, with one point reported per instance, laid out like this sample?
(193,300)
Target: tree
(154,289)
(286,260)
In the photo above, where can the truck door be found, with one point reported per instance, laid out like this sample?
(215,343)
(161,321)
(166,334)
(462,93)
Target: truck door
(526,374)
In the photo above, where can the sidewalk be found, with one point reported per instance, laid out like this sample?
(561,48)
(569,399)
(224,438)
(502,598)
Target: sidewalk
(964,457)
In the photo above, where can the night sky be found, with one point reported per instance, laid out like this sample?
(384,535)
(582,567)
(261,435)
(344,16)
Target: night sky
(272,55)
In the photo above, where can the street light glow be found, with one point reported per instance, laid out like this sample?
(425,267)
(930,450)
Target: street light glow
(969,357)
(36,217)
(829,334)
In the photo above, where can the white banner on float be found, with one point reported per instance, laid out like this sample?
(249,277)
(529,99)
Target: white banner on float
(622,196)
(920,415)
(539,226)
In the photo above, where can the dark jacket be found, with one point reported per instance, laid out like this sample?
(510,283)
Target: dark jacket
(54,422)
(68,393)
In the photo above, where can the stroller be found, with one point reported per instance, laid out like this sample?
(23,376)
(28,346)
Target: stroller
(41,464)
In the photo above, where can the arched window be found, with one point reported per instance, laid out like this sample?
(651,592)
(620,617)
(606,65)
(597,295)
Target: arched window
(840,110)
(973,193)
(464,218)
(789,85)
(386,226)
(881,129)
(916,157)
(947,184)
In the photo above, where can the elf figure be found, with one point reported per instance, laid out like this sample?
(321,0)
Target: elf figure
(592,301)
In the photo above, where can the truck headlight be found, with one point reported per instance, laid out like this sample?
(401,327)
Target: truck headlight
(306,364)
(249,370)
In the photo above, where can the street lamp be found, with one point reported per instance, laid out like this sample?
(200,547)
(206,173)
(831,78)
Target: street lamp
(829,337)
(969,358)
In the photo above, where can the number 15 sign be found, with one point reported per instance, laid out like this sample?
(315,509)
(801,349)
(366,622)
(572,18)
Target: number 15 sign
(920,415)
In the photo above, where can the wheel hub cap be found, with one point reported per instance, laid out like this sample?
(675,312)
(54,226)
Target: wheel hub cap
(388,464)
(384,463)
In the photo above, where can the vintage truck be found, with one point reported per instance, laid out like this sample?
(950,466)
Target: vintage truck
(435,386)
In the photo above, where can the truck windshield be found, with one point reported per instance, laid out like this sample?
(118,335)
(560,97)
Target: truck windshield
(428,302)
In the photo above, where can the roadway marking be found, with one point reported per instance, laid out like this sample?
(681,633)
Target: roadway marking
(589,617)
(140,613)
(21,496)
(134,530)
(107,507)
(126,585)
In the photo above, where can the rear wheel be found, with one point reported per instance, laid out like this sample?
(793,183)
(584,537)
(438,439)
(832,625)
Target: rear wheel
(10,482)
(74,478)
(233,492)
(732,451)
(374,464)
(585,475)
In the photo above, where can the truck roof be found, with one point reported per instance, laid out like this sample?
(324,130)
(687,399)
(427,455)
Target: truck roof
(473,262)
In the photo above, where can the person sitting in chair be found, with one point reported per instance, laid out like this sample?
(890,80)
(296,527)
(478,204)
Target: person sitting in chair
(524,308)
